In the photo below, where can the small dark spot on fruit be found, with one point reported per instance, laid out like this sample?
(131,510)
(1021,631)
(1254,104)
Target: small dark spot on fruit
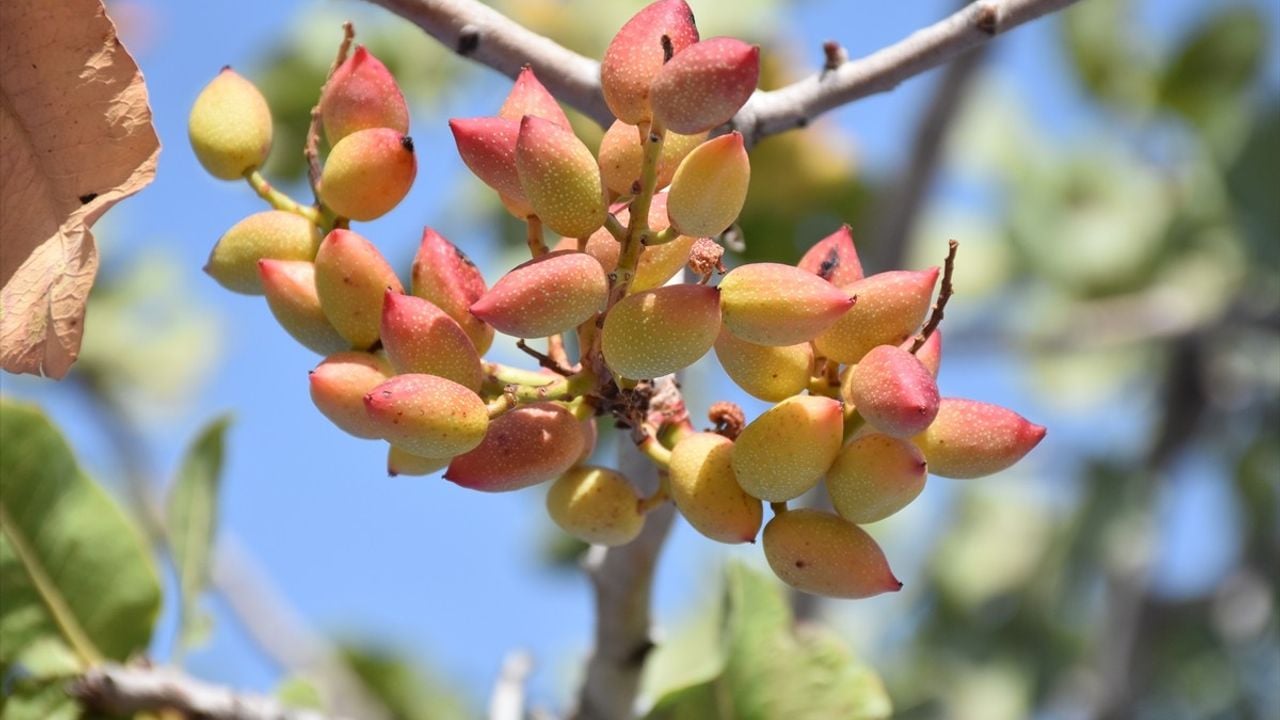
(88,198)
(800,564)
(406,142)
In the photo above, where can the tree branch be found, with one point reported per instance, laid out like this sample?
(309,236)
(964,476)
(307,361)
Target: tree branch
(794,106)
(480,33)
(483,34)
(121,690)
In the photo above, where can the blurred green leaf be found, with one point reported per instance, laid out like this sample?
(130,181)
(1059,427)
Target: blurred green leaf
(299,692)
(30,699)
(191,520)
(406,689)
(772,670)
(1106,55)
(1252,181)
(72,565)
(1213,67)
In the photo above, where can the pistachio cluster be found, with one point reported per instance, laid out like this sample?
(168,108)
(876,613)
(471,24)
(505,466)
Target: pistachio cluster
(849,360)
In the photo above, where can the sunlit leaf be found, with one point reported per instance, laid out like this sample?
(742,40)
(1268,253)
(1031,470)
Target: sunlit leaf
(191,521)
(1214,66)
(407,690)
(72,565)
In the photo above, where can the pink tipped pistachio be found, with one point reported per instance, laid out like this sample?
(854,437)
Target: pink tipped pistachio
(637,53)
(660,331)
(273,234)
(776,304)
(929,354)
(525,446)
(230,126)
(427,415)
(823,554)
(622,156)
(362,94)
(545,296)
(834,258)
(765,372)
(488,147)
(971,439)
(351,278)
(421,338)
(402,462)
(560,178)
(290,287)
(894,391)
(338,387)
(710,187)
(705,84)
(874,477)
(783,453)
(891,305)
(707,493)
(445,276)
(368,173)
(596,505)
(528,96)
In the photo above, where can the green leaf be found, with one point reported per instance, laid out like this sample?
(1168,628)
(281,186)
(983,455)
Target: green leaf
(38,700)
(192,517)
(72,564)
(406,689)
(1215,65)
(299,692)
(772,670)
(1107,55)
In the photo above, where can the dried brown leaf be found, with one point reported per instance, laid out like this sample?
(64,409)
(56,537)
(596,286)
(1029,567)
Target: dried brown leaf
(75,138)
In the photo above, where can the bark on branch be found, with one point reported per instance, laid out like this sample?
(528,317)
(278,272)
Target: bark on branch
(121,690)
(481,33)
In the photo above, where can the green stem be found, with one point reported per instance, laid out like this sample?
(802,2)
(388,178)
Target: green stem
(663,237)
(507,375)
(638,228)
(537,246)
(279,200)
(615,228)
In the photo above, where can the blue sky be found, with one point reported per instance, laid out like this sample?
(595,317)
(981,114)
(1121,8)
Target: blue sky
(451,575)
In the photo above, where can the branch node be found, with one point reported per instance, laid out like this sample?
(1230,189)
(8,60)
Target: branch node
(468,41)
(835,55)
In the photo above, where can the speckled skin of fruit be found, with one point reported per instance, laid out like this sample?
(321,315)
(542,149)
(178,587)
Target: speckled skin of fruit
(710,187)
(273,234)
(764,372)
(339,384)
(596,505)
(635,56)
(660,331)
(621,157)
(970,439)
(351,279)
(545,296)
(890,307)
(529,96)
(368,173)
(401,462)
(823,554)
(290,289)
(560,178)
(834,258)
(230,126)
(895,393)
(704,488)
(525,446)
(703,86)
(427,415)
(874,477)
(419,337)
(776,304)
(783,453)
(487,146)
(445,276)
(362,94)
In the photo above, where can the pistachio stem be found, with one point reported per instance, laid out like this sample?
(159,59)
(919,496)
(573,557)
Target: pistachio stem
(280,200)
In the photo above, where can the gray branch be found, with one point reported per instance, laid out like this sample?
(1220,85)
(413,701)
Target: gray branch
(478,32)
(121,690)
